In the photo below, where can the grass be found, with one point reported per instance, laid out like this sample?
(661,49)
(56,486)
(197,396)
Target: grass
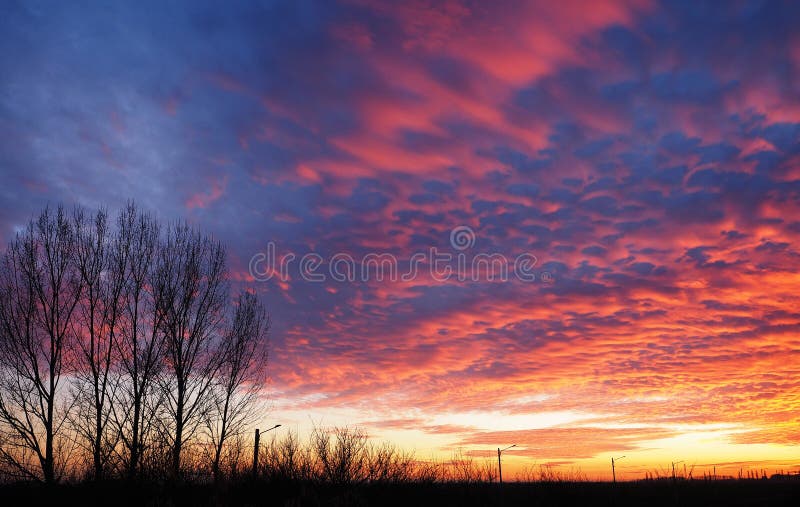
(305,493)
(343,467)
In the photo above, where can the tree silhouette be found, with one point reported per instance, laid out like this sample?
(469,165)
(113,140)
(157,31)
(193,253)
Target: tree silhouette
(101,272)
(237,383)
(40,288)
(191,312)
(140,345)
(129,335)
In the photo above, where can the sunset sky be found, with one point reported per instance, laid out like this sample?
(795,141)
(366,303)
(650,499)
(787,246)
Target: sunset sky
(647,154)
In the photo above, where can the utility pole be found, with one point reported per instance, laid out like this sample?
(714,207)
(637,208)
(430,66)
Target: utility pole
(499,463)
(674,477)
(255,449)
(613,470)
(499,466)
(255,454)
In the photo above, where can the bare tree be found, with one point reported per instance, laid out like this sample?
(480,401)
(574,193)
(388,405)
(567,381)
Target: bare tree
(287,458)
(193,270)
(341,455)
(131,323)
(102,272)
(139,342)
(243,360)
(39,291)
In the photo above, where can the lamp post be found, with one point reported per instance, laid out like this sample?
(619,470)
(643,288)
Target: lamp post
(255,449)
(673,469)
(613,470)
(499,463)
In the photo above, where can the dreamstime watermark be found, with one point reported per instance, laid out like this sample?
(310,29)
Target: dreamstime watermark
(441,266)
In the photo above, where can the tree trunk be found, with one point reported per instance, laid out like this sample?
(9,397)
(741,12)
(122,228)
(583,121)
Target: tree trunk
(178,444)
(48,467)
(98,442)
(223,433)
(134,457)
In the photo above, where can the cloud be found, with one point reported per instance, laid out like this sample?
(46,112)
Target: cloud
(645,153)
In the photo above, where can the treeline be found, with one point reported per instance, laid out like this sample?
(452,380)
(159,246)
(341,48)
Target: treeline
(122,352)
(343,456)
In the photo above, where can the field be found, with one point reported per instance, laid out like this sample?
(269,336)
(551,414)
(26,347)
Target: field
(784,491)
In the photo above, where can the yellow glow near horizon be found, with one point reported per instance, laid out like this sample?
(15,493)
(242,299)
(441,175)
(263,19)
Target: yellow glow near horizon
(702,448)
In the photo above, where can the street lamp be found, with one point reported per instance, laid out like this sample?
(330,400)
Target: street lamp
(613,471)
(255,448)
(673,468)
(499,463)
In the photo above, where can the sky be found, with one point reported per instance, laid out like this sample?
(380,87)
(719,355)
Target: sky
(644,157)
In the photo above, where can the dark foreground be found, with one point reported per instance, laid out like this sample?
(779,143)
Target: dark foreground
(645,493)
